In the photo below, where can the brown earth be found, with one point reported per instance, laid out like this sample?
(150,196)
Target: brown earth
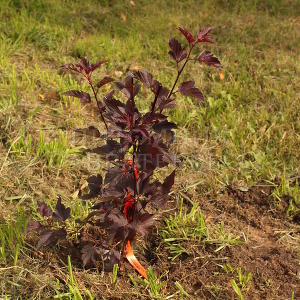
(268,256)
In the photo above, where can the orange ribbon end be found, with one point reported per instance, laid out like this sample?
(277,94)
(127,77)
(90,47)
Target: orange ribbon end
(133,260)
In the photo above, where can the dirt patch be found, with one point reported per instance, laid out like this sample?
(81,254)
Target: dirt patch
(273,264)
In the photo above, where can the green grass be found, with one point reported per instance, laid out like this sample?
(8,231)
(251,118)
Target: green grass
(186,232)
(54,152)
(184,228)
(73,292)
(247,134)
(12,237)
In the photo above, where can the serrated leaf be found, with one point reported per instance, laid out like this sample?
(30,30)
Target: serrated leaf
(168,183)
(112,150)
(157,193)
(83,67)
(104,81)
(61,213)
(51,237)
(209,59)
(128,87)
(203,35)
(188,88)
(33,225)
(117,225)
(177,52)
(95,66)
(145,77)
(142,223)
(153,153)
(89,255)
(95,187)
(83,96)
(164,128)
(189,37)
(44,210)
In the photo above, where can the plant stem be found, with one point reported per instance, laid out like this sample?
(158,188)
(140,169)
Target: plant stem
(133,170)
(180,71)
(98,103)
(155,100)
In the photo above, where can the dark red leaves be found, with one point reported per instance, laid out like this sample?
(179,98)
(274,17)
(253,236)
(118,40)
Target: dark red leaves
(104,81)
(95,66)
(51,237)
(44,210)
(89,255)
(117,225)
(142,223)
(209,59)
(177,52)
(83,96)
(203,35)
(111,151)
(153,154)
(128,87)
(83,67)
(145,77)
(188,88)
(48,235)
(156,87)
(157,193)
(33,225)
(61,213)
(189,37)
(168,183)
(95,187)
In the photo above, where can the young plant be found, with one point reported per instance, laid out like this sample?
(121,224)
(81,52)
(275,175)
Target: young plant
(136,146)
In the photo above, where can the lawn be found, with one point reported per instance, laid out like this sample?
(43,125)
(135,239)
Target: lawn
(231,228)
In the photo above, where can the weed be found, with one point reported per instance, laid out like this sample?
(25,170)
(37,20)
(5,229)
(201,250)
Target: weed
(189,228)
(155,285)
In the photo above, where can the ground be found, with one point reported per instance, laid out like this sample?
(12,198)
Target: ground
(231,228)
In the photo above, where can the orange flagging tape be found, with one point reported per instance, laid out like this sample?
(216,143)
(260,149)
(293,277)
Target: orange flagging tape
(133,260)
